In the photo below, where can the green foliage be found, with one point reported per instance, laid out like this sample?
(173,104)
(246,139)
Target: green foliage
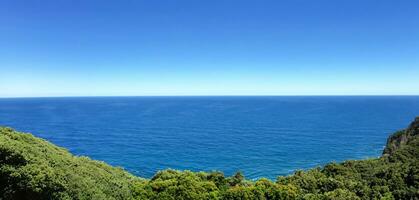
(32,168)
(172,184)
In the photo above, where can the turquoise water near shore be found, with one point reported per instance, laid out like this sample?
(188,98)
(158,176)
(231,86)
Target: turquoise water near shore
(261,136)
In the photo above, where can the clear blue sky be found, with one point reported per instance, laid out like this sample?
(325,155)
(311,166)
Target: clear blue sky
(168,47)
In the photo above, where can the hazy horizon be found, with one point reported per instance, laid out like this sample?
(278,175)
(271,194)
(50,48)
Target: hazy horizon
(104,96)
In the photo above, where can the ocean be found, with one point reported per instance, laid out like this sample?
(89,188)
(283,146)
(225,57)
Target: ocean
(262,136)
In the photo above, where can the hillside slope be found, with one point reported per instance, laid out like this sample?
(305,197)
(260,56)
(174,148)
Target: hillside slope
(32,168)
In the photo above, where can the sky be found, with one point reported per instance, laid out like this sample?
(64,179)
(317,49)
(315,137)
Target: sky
(229,47)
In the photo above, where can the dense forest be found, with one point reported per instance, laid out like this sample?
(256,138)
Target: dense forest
(32,168)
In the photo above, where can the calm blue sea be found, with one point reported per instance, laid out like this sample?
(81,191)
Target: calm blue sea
(261,136)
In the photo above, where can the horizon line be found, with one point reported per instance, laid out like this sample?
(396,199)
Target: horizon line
(244,95)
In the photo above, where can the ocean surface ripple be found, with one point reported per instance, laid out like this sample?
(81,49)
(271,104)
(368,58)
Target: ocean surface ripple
(260,136)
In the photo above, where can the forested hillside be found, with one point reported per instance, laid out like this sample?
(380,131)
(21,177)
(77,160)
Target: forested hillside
(32,168)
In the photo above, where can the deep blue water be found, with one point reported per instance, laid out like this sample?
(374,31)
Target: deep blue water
(261,136)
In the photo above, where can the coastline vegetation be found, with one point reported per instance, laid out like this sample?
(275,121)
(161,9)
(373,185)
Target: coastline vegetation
(33,168)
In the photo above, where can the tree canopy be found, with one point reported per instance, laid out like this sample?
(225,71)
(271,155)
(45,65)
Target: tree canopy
(32,168)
